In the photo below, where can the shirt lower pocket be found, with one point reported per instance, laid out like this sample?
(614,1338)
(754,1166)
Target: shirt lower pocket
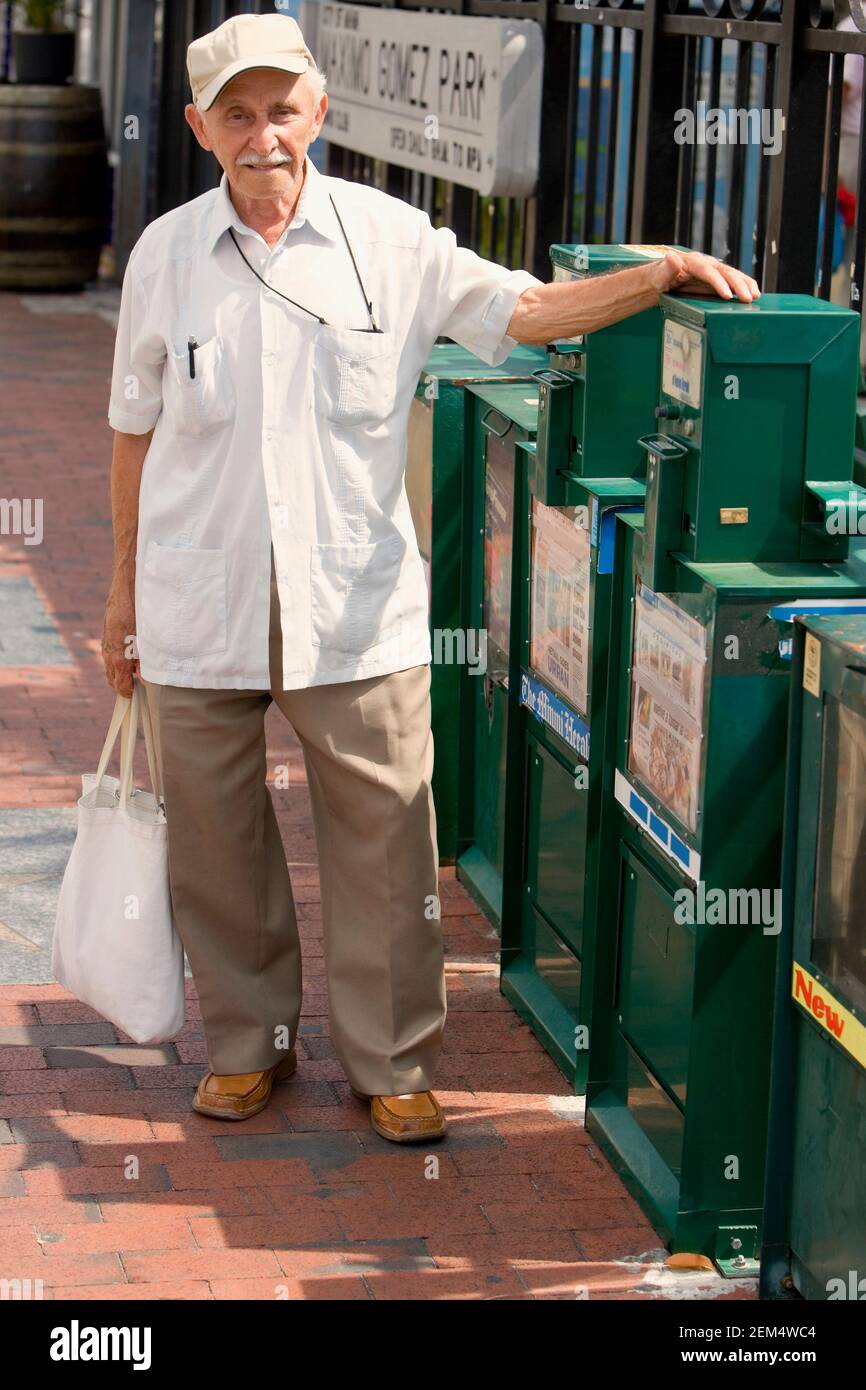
(356,596)
(182,601)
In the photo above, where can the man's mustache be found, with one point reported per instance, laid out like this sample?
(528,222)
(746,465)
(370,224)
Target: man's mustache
(255,161)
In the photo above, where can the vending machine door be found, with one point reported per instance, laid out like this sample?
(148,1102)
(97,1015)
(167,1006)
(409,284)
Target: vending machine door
(838,937)
(826,1057)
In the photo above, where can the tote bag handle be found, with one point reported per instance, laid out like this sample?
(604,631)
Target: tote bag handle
(124,720)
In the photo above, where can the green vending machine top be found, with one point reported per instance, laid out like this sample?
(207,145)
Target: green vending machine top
(756,450)
(600,388)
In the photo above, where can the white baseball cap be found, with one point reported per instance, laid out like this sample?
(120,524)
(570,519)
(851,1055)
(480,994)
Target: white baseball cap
(243,42)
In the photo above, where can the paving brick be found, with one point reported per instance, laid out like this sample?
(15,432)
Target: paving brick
(90,1129)
(90,1181)
(48,1155)
(373,1215)
(343,1287)
(265,1173)
(20,1059)
(153,1232)
(170,1265)
(111,1055)
(57,1079)
(59,1034)
(322,1152)
(187,1291)
(129,1206)
(300,1221)
(446,1284)
(70,1270)
(618,1242)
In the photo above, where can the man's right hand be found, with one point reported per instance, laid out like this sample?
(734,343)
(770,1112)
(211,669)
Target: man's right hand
(118,638)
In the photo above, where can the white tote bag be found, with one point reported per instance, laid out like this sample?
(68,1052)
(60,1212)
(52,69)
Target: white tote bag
(115,946)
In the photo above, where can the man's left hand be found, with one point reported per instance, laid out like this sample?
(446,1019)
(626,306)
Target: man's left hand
(691,272)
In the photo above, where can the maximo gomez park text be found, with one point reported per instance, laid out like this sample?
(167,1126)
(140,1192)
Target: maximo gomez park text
(433,663)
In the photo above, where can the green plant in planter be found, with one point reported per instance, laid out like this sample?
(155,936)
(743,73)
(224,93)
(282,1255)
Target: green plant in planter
(44,16)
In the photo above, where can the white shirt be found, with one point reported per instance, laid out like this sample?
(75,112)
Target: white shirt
(292,432)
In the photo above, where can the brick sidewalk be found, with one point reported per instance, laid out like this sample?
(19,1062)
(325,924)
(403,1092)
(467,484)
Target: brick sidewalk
(110,1185)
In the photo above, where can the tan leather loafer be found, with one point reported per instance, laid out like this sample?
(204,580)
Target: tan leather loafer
(237,1096)
(406,1119)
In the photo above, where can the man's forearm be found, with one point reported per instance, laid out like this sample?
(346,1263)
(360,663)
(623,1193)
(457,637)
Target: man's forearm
(545,313)
(127,462)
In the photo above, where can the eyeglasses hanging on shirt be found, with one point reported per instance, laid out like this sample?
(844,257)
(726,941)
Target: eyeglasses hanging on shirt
(375,328)
(369,303)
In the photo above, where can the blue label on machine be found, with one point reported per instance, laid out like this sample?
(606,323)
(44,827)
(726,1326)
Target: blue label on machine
(555,713)
(608,535)
(664,835)
(815,608)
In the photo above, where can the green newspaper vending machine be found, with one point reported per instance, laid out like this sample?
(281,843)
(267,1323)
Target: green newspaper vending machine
(497,420)
(585,467)
(815,1201)
(434,485)
(757,402)
(571,397)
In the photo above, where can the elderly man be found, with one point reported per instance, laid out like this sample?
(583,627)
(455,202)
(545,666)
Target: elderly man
(271,337)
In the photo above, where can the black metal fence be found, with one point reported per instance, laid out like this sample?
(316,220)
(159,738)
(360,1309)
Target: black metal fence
(615,161)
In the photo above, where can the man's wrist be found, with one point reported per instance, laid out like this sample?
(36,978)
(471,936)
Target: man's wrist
(123,574)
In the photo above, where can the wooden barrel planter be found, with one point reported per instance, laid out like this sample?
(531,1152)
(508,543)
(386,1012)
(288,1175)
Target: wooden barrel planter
(54,186)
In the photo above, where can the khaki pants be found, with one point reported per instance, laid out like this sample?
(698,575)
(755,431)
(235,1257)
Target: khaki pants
(368,751)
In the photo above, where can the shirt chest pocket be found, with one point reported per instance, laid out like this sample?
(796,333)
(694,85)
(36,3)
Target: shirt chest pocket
(354,375)
(202,404)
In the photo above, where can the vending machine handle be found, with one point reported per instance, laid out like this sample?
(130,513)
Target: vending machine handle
(664,509)
(551,374)
(500,434)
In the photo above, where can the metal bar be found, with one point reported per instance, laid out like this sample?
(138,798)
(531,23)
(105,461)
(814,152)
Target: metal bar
(612,129)
(833,41)
(712,150)
(633,132)
(205,172)
(745,30)
(856,298)
(592,129)
(737,169)
(175,140)
(795,179)
(509,231)
(760,236)
(686,166)
(593,14)
(834,127)
(572,106)
(137,78)
(655,169)
(492,205)
(549,216)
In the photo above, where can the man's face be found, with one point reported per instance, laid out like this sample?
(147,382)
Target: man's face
(259,128)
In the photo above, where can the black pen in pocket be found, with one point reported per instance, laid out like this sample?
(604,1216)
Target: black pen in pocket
(192,345)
